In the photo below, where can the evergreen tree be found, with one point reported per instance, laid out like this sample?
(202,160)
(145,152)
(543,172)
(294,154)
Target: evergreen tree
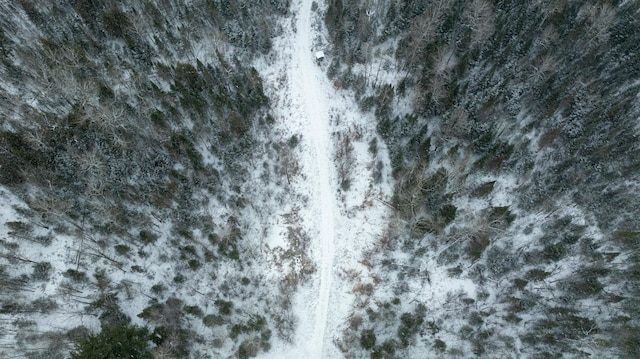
(118,341)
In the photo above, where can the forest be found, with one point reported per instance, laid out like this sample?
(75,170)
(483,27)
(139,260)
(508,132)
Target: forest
(512,130)
(127,136)
(143,154)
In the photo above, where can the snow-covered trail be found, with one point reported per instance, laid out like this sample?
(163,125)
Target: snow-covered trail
(308,99)
(341,223)
(316,109)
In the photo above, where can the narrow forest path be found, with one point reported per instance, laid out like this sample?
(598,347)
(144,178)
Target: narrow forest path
(341,223)
(308,104)
(316,108)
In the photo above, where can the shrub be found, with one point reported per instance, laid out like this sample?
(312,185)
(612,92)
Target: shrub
(44,240)
(475,319)
(44,305)
(147,237)
(519,283)
(355,321)
(224,307)
(249,348)
(423,226)
(501,261)
(106,93)
(110,313)
(9,307)
(122,249)
(373,147)
(41,271)
(237,329)
(194,264)
(238,125)
(116,23)
(177,340)
(211,320)
(193,310)
(512,318)
(628,341)
(537,275)
(528,301)
(501,214)
(367,339)
(75,275)
(19,228)
(170,313)
(554,252)
(389,346)
(119,341)
(440,346)
(466,332)
(448,213)
(213,238)
(293,141)
(455,271)
(158,288)
(476,246)
(410,325)
(583,287)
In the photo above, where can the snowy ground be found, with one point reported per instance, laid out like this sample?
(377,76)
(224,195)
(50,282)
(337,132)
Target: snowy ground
(342,224)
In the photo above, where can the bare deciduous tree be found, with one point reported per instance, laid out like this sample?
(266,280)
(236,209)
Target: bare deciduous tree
(548,37)
(422,32)
(543,67)
(480,18)
(443,60)
(599,18)
(438,88)
(458,122)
